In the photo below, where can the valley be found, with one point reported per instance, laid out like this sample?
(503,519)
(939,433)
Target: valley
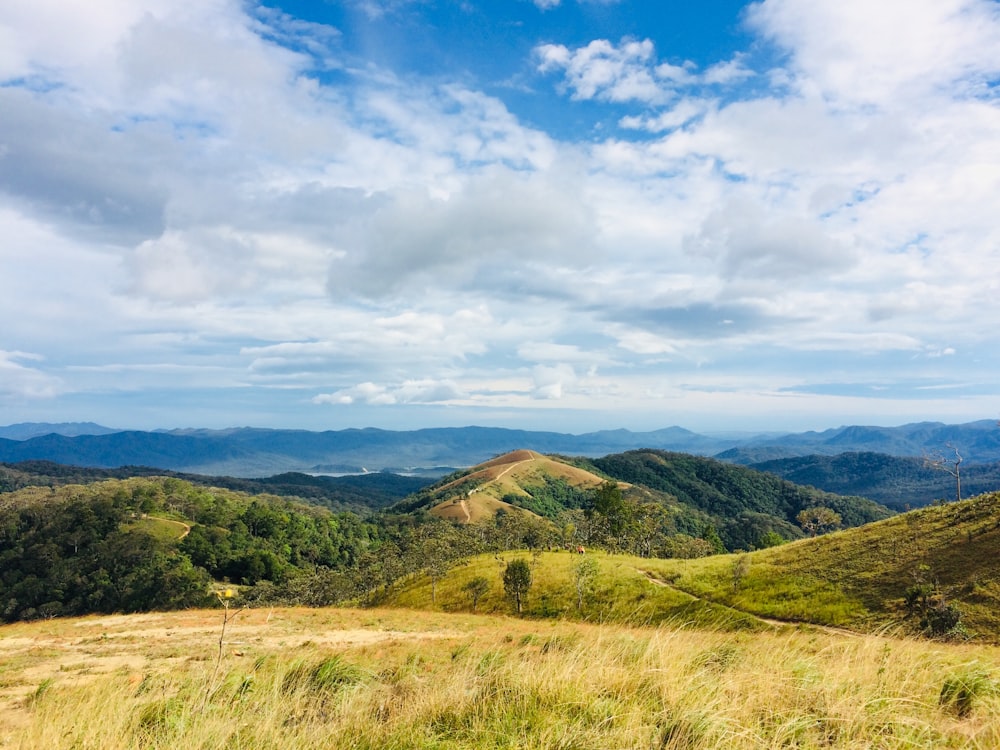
(666,600)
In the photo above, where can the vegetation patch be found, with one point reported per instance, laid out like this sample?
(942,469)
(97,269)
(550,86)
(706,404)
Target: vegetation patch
(502,682)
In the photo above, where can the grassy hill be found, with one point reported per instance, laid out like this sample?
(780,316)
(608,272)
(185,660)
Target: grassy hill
(859,578)
(521,479)
(620,591)
(359,492)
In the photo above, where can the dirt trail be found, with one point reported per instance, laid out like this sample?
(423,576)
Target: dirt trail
(185,528)
(651,577)
(513,465)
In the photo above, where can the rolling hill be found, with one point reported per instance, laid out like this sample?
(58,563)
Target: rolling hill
(861,578)
(888,576)
(511,482)
(665,493)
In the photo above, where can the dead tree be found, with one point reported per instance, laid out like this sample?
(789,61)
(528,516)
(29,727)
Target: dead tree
(952,466)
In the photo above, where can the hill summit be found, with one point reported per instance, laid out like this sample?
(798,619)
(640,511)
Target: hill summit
(479,493)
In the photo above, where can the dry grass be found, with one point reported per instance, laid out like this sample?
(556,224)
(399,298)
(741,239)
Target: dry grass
(502,476)
(294,678)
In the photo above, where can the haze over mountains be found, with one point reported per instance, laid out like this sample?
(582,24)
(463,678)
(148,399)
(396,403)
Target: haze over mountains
(252,452)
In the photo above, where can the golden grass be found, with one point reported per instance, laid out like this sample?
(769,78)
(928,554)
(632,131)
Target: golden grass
(296,679)
(505,475)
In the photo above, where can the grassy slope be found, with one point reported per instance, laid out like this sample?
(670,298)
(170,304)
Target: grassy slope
(857,577)
(510,472)
(622,593)
(392,679)
(477,495)
(854,579)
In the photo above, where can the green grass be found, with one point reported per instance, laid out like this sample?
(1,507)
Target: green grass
(621,593)
(163,529)
(854,579)
(858,577)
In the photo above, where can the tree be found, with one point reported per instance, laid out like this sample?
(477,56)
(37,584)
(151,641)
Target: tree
(771,539)
(584,573)
(607,508)
(711,535)
(741,566)
(517,582)
(818,520)
(476,589)
(951,466)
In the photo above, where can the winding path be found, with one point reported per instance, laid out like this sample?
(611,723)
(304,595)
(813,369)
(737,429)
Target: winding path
(186,527)
(651,577)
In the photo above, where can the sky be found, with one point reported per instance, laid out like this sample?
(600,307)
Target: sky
(565,215)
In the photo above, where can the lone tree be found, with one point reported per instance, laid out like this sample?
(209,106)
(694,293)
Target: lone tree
(951,466)
(476,589)
(818,520)
(517,581)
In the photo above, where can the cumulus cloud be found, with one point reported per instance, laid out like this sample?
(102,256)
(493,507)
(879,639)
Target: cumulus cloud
(630,72)
(496,219)
(680,114)
(863,54)
(750,242)
(408,392)
(222,189)
(601,70)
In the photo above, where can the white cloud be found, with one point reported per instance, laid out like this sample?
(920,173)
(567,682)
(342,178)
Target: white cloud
(550,382)
(217,194)
(751,243)
(19,380)
(724,73)
(603,71)
(496,219)
(859,53)
(681,114)
(408,392)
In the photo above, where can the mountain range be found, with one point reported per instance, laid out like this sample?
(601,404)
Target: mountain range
(255,452)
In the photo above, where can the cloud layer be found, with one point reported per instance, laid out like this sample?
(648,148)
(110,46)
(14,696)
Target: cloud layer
(221,206)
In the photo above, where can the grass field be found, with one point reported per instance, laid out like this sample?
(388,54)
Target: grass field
(297,678)
(622,592)
(858,577)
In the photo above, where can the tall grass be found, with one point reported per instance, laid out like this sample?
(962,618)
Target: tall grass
(620,592)
(498,682)
(858,577)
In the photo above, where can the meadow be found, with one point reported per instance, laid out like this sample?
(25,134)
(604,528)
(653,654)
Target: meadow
(294,678)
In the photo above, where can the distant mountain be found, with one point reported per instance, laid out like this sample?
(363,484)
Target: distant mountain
(253,452)
(28,430)
(249,452)
(978,442)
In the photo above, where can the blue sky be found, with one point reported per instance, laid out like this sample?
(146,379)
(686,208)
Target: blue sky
(565,215)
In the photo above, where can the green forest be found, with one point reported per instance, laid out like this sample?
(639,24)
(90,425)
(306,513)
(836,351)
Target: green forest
(76,541)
